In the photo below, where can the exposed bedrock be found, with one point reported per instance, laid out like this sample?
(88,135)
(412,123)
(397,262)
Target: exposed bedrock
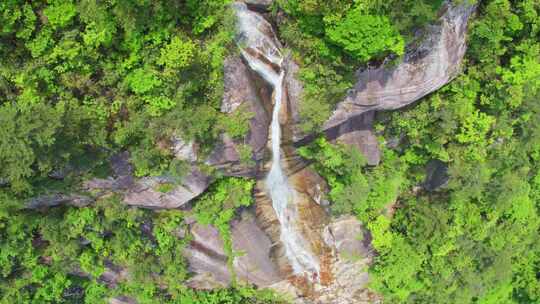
(243,91)
(146,192)
(290,217)
(352,254)
(208,259)
(423,70)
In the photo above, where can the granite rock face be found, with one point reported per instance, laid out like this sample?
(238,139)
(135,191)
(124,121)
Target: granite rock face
(423,70)
(208,260)
(57,199)
(184,150)
(242,92)
(145,192)
(358,132)
(122,300)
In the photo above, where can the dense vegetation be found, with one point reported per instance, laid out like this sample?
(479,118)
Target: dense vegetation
(475,241)
(88,78)
(331,39)
(81,80)
(65,255)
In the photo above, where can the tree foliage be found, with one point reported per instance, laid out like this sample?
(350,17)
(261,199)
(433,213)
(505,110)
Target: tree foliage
(476,241)
(81,76)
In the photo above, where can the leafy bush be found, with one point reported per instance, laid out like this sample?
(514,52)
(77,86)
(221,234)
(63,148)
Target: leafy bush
(366,36)
(217,207)
(354,188)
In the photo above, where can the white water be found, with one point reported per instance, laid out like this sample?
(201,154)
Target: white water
(296,247)
(253,34)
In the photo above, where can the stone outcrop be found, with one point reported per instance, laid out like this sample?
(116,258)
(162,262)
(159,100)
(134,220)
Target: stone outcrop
(122,300)
(242,92)
(358,132)
(146,193)
(352,255)
(208,260)
(184,150)
(293,90)
(423,70)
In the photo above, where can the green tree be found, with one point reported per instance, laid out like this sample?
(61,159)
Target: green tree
(366,36)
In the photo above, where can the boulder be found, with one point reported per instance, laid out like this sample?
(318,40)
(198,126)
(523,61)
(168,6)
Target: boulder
(122,300)
(422,70)
(349,238)
(436,175)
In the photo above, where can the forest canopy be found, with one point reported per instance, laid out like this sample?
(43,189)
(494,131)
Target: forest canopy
(83,80)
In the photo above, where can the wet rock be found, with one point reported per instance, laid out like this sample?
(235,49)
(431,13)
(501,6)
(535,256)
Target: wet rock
(208,259)
(423,70)
(436,175)
(294,90)
(145,192)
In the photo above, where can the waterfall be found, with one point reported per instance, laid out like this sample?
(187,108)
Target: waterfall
(260,49)
(296,247)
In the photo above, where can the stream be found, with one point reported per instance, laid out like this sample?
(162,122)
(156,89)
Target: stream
(260,49)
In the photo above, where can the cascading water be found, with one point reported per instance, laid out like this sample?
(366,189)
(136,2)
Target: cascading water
(260,49)
(296,247)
